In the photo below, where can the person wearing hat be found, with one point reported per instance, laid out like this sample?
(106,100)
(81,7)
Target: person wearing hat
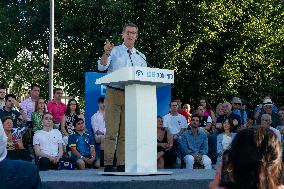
(258,110)
(236,109)
(267,107)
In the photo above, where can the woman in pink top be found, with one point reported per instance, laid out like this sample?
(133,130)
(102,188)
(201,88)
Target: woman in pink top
(253,162)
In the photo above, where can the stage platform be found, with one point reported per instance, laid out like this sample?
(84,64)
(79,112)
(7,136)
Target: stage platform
(91,179)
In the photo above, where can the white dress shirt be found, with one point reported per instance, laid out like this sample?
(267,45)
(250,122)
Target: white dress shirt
(98,122)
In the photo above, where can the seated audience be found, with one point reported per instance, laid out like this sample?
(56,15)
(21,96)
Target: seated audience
(206,121)
(266,122)
(227,113)
(2,96)
(72,113)
(253,161)
(267,109)
(237,109)
(56,107)
(9,110)
(185,111)
(219,110)
(15,145)
(16,174)
(82,147)
(37,115)
(259,110)
(166,152)
(208,110)
(174,122)
(99,128)
(194,145)
(224,139)
(48,144)
(281,126)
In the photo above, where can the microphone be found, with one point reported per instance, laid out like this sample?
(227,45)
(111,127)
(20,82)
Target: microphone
(148,64)
(129,53)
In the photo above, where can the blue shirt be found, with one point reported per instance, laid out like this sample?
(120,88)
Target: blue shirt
(243,115)
(120,58)
(83,143)
(191,144)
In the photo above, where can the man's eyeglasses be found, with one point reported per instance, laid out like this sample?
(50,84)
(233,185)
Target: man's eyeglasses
(238,104)
(130,33)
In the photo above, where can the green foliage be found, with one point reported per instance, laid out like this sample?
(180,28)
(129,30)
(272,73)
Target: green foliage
(218,49)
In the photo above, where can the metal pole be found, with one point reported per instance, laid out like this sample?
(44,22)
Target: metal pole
(51,49)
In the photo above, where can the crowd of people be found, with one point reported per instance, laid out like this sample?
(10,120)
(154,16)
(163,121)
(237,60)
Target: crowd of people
(197,137)
(50,132)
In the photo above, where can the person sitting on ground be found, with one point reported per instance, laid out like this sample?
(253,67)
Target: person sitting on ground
(72,113)
(253,161)
(82,147)
(16,174)
(224,139)
(194,145)
(99,129)
(166,152)
(48,144)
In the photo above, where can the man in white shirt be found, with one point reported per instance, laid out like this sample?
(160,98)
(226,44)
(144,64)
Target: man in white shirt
(48,144)
(175,123)
(98,126)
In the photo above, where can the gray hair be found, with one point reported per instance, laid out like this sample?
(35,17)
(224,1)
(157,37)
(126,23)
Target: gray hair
(267,116)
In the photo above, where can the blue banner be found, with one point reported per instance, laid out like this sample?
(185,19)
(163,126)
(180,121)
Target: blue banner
(94,91)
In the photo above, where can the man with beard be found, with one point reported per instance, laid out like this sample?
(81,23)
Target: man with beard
(194,145)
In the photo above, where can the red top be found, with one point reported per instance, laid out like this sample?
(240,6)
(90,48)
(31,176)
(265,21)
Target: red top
(56,109)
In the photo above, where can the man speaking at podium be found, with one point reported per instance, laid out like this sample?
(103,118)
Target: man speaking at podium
(114,58)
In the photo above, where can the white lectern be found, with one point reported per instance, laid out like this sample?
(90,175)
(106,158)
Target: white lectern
(140,116)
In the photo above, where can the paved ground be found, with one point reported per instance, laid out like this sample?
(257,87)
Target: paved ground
(88,179)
